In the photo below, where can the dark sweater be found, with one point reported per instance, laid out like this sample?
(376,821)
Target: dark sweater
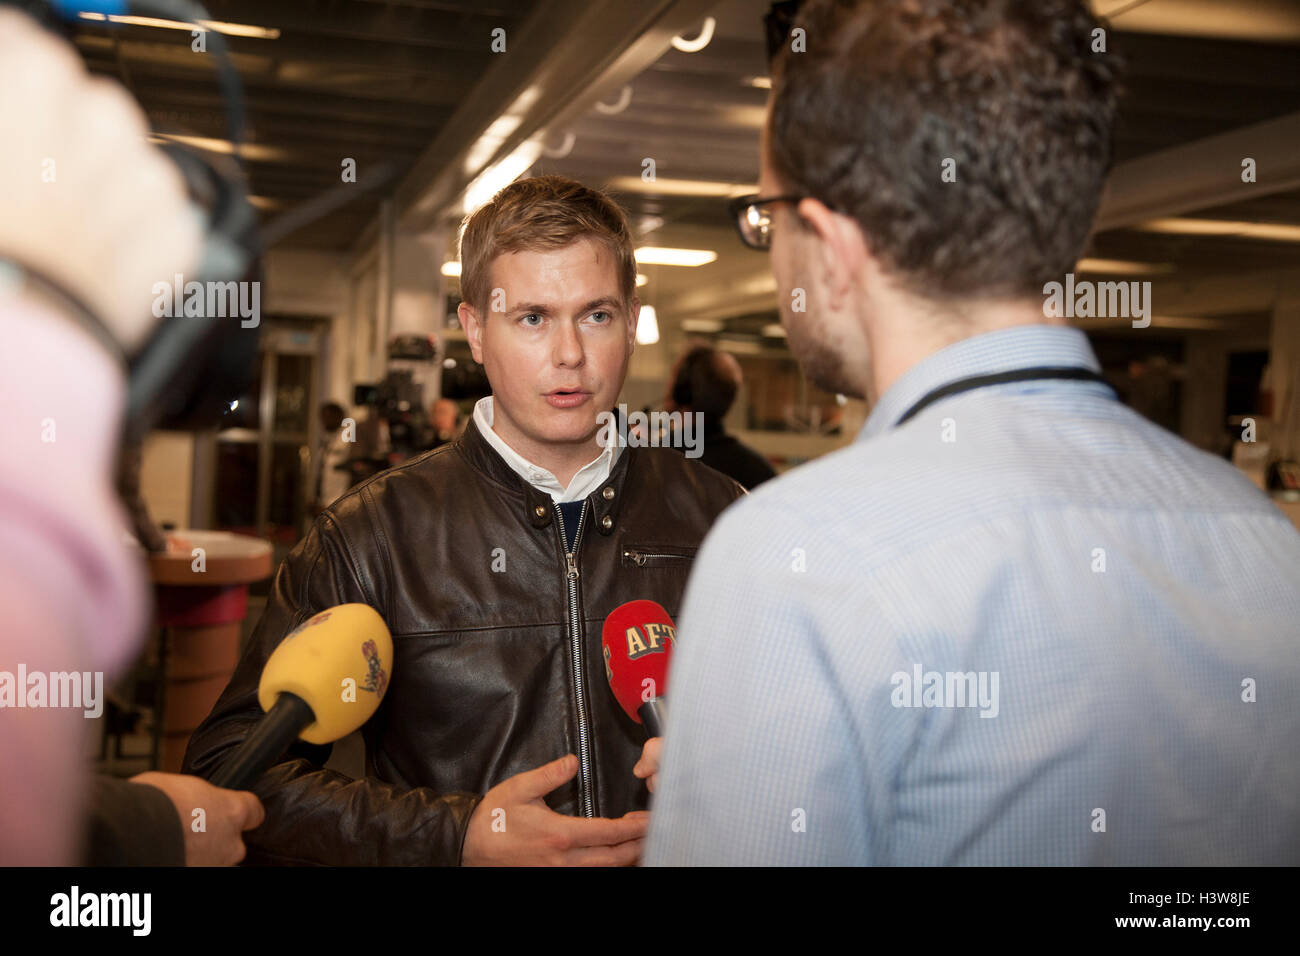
(727,454)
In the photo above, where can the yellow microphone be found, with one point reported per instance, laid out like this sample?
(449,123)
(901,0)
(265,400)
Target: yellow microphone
(324,681)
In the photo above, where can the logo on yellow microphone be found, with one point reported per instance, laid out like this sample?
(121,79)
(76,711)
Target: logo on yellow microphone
(377,679)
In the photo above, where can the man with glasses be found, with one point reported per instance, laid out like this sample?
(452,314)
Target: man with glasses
(1014,622)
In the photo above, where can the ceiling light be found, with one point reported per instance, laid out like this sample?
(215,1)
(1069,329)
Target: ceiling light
(500,130)
(254,151)
(700,42)
(659,256)
(641,279)
(451,268)
(501,174)
(216,26)
(647,326)
(1222,227)
(680,187)
(1122,266)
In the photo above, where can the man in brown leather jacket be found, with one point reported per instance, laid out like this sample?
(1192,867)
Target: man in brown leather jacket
(494,561)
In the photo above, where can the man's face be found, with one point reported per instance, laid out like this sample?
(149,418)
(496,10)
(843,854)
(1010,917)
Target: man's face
(555,342)
(820,337)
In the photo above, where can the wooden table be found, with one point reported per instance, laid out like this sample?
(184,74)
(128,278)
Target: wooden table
(202,599)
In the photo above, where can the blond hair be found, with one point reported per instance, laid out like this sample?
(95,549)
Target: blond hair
(545,212)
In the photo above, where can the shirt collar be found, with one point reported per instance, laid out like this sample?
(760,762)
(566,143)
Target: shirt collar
(1023,346)
(586,480)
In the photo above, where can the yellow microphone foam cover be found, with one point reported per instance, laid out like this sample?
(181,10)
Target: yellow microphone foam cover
(339,662)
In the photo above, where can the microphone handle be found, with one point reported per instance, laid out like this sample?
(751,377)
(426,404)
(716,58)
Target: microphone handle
(653,715)
(264,746)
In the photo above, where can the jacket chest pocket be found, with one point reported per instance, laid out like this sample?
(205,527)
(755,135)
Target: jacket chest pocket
(658,556)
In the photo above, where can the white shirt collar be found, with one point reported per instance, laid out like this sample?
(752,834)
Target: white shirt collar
(587,479)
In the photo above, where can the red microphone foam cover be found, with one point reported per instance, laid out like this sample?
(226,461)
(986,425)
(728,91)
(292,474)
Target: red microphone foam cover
(638,639)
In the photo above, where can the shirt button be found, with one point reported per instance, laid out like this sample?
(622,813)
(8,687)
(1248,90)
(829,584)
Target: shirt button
(607,522)
(608,493)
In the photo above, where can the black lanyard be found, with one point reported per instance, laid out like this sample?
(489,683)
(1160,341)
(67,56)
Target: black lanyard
(999,378)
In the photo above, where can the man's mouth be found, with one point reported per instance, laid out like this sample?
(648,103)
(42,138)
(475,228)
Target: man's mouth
(567,397)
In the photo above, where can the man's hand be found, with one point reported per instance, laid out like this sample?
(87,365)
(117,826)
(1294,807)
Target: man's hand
(227,813)
(513,826)
(648,765)
(86,199)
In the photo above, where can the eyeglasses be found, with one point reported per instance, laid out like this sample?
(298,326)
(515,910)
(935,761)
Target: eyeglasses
(754,220)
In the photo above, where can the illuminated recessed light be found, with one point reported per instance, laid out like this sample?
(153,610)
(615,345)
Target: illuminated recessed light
(451,268)
(680,187)
(216,26)
(660,256)
(641,279)
(253,151)
(1222,227)
(647,326)
(1122,266)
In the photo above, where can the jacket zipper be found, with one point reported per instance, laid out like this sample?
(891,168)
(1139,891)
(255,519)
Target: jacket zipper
(575,648)
(640,558)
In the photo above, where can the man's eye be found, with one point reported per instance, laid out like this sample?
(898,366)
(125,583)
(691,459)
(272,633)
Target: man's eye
(601,317)
(531,315)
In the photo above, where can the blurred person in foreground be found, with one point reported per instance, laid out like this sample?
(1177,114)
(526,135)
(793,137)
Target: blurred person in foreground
(1014,622)
(86,203)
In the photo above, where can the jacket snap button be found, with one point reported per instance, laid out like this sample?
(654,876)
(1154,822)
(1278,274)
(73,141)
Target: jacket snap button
(607,522)
(608,493)
(540,511)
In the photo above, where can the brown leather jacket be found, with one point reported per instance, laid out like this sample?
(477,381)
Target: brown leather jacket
(495,671)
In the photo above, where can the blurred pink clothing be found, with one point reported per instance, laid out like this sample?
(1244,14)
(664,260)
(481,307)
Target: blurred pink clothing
(73,591)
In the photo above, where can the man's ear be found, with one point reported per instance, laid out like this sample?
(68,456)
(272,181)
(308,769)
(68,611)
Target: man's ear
(632,321)
(469,321)
(841,250)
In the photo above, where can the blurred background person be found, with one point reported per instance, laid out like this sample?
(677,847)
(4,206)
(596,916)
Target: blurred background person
(445,416)
(330,475)
(706,382)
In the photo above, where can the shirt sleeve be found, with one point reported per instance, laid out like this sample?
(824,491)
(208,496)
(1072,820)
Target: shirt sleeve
(132,824)
(759,766)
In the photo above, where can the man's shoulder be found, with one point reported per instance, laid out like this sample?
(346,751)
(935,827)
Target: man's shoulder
(424,475)
(670,468)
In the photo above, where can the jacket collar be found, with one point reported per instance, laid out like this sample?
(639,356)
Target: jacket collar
(538,507)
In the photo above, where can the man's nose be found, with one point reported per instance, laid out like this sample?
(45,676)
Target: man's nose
(567,345)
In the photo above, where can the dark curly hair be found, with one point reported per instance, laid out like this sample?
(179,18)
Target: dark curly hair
(1010,90)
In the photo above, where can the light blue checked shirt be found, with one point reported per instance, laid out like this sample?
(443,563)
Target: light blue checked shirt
(1138,601)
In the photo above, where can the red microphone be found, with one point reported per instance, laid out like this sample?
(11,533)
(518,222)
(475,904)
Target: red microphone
(638,639)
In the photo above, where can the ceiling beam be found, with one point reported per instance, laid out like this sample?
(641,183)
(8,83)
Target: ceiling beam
(1203,174)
